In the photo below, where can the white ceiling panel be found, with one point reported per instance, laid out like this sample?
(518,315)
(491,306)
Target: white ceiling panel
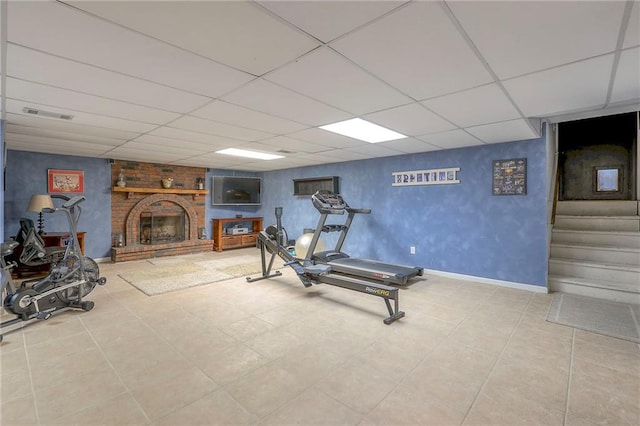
(484,104)
(374,150)
(193,147)
(68,99)
(56,134)
(451,139)
(16,107)
(250,39)
(124,153)
(410,120)
(344,155)
(416,49)
(161,148)
(513,130)
(69,33)
(327,20)
(54,146)
(264,96)
(520,37)
(238,116)
(632,36)
(196,124)
(28,65)
(409,145)
(295,145)
(325,138)
(185,135)
(562,88)
(66,126)
(330,78)
(626,85)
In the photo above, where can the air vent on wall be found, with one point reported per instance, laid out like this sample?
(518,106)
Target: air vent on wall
(49,114)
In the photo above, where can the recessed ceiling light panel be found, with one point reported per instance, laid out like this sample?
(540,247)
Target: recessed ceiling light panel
(360,129)
(49,114)
(249,154)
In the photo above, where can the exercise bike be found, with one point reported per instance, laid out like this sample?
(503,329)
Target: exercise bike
(68,282)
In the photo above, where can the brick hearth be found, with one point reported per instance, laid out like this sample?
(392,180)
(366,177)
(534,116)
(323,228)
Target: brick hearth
(126,208)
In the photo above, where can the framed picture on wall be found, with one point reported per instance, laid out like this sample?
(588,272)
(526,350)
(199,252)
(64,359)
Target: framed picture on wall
(65,181)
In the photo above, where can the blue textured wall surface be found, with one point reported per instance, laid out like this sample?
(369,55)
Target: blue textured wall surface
(460,228)
(26,174)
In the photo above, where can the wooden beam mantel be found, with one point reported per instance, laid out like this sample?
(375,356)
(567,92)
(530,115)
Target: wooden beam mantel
(130,191)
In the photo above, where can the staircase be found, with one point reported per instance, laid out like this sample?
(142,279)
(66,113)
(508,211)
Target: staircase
(595,250)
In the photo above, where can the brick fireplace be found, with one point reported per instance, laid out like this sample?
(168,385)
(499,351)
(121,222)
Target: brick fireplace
(148,220)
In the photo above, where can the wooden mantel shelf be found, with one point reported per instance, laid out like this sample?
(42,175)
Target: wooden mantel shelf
(131,190)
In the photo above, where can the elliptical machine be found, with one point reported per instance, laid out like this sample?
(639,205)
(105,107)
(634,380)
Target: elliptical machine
(69,280)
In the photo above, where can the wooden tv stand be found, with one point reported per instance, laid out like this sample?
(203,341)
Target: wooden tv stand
(222,241)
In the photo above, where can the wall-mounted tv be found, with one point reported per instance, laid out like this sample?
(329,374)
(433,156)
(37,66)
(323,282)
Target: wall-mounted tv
(236,190)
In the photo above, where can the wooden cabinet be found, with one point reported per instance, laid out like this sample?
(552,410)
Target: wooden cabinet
(223,241)
(60,239)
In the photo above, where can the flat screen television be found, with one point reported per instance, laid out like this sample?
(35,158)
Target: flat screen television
(236,190)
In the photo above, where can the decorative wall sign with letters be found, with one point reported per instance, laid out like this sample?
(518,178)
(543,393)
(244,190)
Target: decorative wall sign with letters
(426,177)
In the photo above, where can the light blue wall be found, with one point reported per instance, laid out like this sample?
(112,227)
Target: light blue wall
(460,228)
(2,181)
(457,228)
(26,174)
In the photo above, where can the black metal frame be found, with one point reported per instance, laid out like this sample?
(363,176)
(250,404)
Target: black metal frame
(309,273)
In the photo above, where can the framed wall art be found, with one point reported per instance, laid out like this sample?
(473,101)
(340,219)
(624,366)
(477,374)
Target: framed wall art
(65,181)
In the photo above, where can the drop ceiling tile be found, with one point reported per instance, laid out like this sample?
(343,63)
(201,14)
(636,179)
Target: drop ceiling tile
(514,130)
(410,120)
(250,39)
(632,36)
(374,150)
(294,145)
(261,147)
(409,145)
(520,37)
(344,155)
(330,78)
(327,20)
(41,68)
(325,138)
(65,126)
(188,146)
(416,49)
(196,124)
(626,85)
(266,97)
(16,107)
(69,99)
(238,116)
(57,134)
(141,154)
(563,89)
(452,139)
(185,135)
(52,145)
(178,151)
(480,105)
(70,33)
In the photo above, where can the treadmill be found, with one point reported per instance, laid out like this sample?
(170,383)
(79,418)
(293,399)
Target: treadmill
(328,203)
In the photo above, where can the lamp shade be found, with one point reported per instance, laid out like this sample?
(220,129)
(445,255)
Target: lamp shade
(39,202)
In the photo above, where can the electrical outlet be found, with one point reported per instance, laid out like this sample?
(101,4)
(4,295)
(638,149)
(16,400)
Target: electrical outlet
(412,250)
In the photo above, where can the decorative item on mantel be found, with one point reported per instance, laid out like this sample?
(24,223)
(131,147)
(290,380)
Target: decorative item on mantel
(200,183)
(167,182)
(121,180)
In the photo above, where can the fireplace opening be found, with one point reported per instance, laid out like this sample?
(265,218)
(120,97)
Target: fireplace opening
(161,228)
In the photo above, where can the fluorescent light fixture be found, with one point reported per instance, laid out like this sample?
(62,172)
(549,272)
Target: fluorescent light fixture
(363,130)
(49,114)
(249,154)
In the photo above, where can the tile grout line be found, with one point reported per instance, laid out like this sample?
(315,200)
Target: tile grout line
(568,394)
(33,389)
(497,360)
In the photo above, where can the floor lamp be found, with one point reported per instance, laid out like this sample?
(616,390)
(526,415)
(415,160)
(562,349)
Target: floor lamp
(36,204)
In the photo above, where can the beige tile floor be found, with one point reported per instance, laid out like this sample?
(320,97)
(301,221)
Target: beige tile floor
(274,352)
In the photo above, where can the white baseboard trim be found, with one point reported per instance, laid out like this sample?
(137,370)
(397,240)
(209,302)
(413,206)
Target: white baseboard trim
(491,281)
(102,259)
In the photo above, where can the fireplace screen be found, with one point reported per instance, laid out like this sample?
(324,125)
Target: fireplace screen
(159,228)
